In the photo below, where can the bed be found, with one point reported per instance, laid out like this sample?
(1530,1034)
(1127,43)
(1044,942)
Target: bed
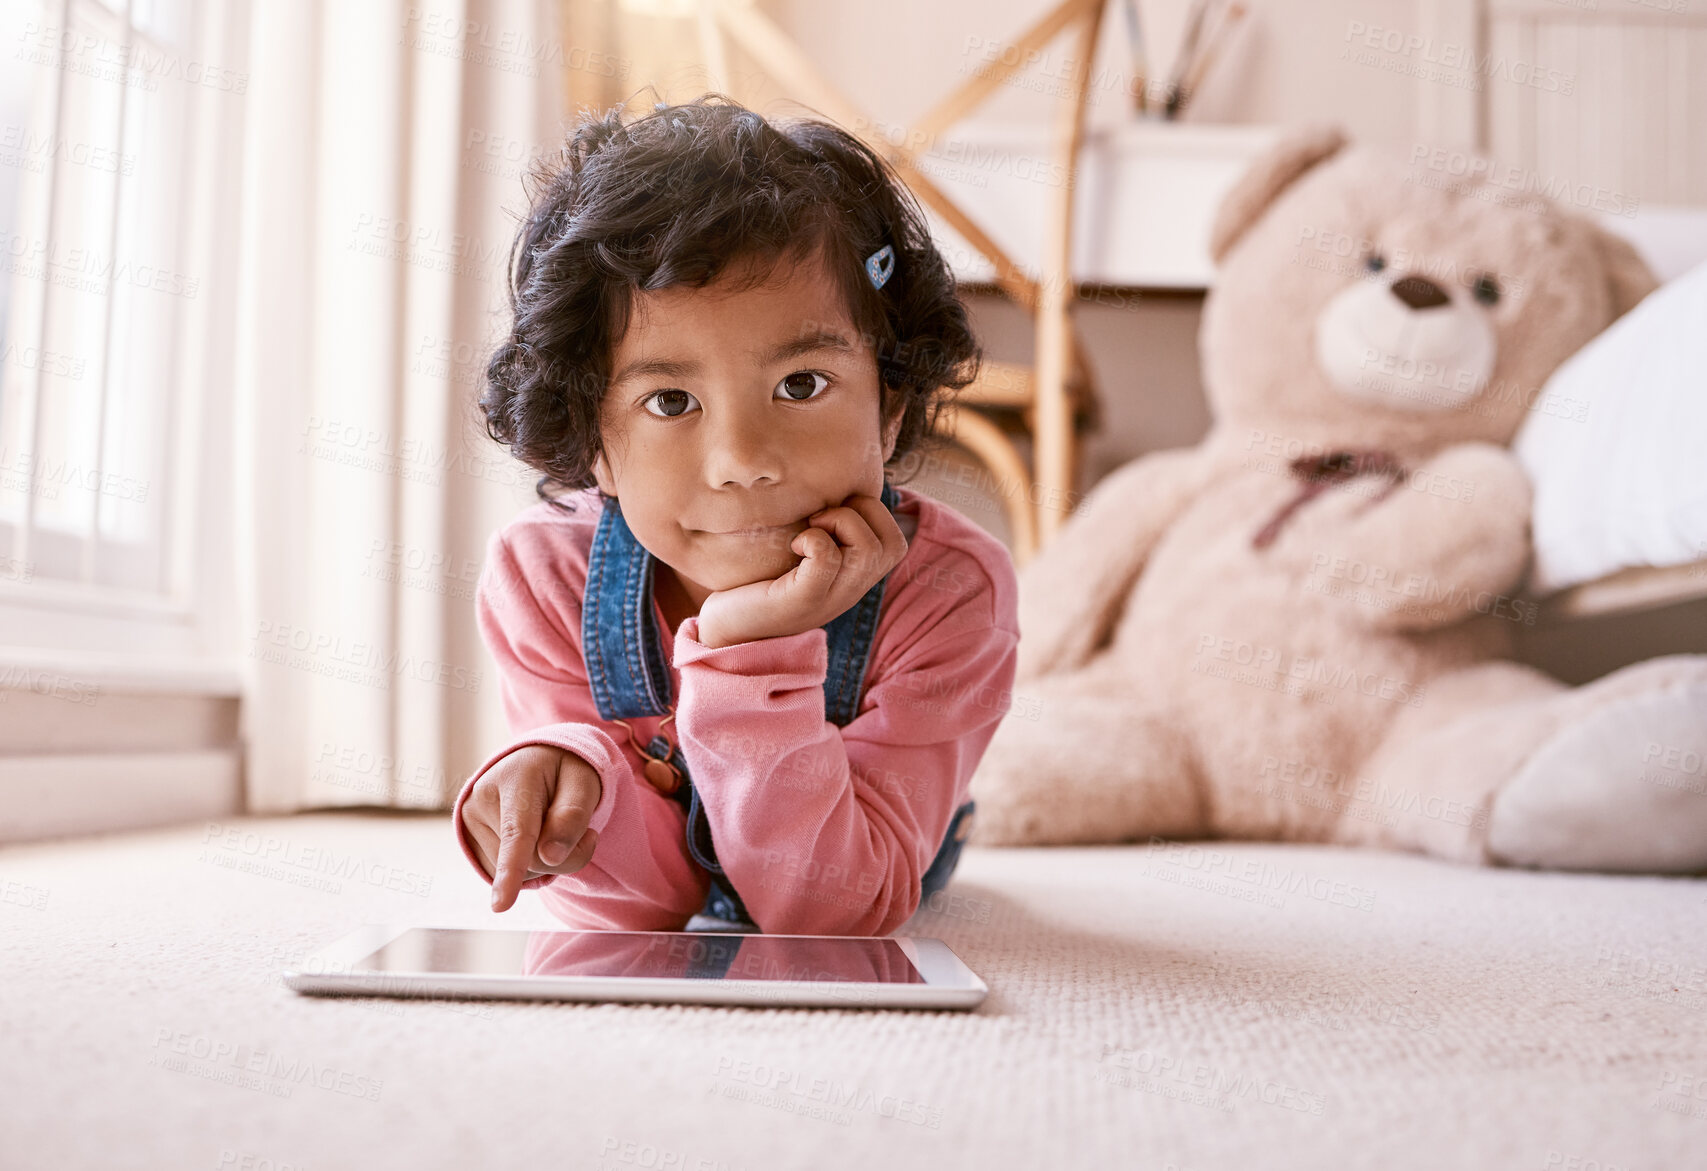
(1621,502)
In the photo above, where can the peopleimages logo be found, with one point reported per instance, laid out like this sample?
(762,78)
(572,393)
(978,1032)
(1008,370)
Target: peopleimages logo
(239,843)
(1447,61)
(790,1086)
(136,62)
(254,1067)
(1219,1087)
(1465,174)
(1275,669)
(364,662)
(26,147)
(1256,874)
(1363,796)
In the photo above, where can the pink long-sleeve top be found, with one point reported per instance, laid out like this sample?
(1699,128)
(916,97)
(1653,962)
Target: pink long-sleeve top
(823,829)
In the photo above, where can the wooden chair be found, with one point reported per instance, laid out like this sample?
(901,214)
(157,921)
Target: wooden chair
(1050,393)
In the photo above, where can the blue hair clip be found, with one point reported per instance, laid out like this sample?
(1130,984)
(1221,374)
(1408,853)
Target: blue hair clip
(879,265)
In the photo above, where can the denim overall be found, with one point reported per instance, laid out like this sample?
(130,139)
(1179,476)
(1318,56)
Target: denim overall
(623,648)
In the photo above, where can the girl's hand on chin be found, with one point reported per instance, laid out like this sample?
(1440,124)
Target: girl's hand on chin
(844,552)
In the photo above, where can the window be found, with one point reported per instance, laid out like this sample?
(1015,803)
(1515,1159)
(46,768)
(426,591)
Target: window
(119,124)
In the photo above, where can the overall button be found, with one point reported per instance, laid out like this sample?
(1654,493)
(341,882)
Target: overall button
(662,777)
(659,772)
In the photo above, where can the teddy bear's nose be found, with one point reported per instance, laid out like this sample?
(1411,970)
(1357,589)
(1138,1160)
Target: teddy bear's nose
(1419,292)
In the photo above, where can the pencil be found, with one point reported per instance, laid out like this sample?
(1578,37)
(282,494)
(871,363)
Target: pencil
(1135,42)
(1187,51)
(1212,50)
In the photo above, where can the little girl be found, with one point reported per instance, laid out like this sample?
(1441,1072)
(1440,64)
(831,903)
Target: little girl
(748,679)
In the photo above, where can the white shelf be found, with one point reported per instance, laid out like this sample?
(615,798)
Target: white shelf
(1146,196)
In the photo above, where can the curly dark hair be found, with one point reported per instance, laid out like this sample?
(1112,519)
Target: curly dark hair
(675,197)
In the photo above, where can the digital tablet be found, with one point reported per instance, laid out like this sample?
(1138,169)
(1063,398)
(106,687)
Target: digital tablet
(678,967)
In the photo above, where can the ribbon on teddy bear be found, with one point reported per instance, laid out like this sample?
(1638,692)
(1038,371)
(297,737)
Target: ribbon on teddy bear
(1319,472)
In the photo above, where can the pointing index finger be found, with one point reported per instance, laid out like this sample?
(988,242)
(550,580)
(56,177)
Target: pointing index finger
(518,832)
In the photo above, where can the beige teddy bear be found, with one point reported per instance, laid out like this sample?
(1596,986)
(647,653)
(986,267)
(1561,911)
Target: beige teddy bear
(1299,629)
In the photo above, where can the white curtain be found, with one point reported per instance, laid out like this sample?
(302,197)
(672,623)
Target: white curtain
(385,142)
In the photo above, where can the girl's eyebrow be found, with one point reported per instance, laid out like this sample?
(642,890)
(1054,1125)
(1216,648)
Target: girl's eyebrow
(809,342)
(655,368)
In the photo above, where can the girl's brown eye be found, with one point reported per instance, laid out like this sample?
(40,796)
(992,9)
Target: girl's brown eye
(802,385)
(668,396)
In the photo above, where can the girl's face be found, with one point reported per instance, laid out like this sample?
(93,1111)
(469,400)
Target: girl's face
(734,414)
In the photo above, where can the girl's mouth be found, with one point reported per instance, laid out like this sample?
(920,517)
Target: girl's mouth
(752,531)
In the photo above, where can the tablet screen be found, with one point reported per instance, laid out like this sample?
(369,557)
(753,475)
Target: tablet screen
(659,955)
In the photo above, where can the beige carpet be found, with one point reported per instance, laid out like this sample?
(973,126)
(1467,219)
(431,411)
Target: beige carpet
(1224,1006)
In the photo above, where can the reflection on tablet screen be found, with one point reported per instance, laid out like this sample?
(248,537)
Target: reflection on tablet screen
(693,956)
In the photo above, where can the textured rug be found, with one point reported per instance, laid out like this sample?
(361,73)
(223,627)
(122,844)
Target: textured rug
(1188,1006)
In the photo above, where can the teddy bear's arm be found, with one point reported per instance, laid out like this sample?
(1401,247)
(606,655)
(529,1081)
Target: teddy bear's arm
(1070,593)
(1449,540)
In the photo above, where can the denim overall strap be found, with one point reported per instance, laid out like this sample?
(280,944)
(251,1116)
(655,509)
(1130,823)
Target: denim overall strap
(623,649)
(620,640)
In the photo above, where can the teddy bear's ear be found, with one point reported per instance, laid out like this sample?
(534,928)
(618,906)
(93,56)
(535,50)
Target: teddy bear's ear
(1627,273)
(1296,152)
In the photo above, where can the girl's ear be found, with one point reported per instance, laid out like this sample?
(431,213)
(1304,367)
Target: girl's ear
(892,427)
(601,473)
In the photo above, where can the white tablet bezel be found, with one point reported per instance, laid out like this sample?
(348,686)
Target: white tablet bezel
(330,971)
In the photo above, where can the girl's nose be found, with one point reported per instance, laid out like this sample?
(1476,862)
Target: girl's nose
(743,454)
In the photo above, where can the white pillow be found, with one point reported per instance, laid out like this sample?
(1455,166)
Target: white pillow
(1617,444)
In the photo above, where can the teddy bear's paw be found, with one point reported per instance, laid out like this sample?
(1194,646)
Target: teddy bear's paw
(1007,815)
(1624,789)
(1011,831)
